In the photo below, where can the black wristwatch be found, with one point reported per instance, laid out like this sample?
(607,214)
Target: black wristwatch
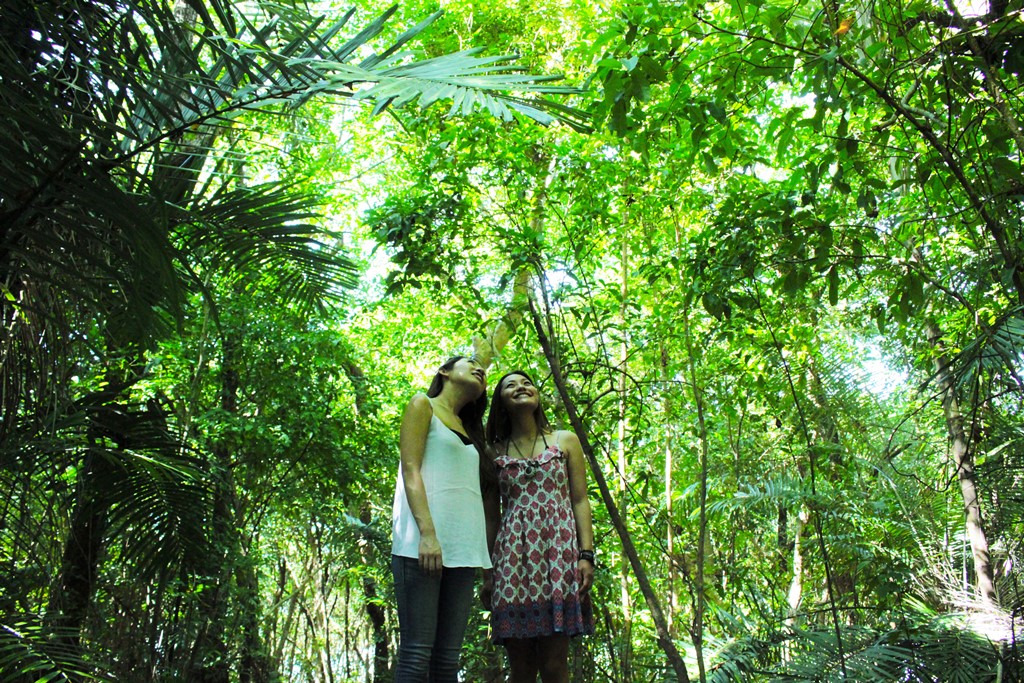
(587,555)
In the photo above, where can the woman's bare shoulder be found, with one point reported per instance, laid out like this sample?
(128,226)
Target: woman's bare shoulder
(567,439)
(419,406)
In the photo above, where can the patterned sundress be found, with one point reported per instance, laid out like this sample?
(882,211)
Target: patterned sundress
(536,582)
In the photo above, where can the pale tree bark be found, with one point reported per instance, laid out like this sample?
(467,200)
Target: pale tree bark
(795,594)
(320,613)
(298,592)
(625,659)
(489,347)
(665,641)
(963,460)
(670,535)
(697,633)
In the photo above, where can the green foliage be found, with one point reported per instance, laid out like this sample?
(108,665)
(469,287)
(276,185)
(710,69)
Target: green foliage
(29,651)
(219,289)
(922,648)
(419,231)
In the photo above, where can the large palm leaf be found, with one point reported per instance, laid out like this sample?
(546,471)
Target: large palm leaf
(149,94)
(28,653)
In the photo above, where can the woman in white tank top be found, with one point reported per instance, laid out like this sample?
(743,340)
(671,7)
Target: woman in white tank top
(439,535)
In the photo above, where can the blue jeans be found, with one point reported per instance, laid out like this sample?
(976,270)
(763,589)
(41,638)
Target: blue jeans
(432,615)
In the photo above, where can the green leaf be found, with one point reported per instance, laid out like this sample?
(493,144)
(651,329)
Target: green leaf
(717,111)
(1009,170)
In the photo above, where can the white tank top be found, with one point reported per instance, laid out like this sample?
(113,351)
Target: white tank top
(451,479)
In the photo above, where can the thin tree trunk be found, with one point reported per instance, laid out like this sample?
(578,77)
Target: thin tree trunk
(782,536)
(209,659)
(963,460)
(843,582)
(374,608)
(702,537)
(487,348)
(665,641)
(794,596)
(670,535)
(75,586)
(210,662)
(625,659)
(324,613)
(348,638)
(375,611)
(294,600)
(76,583)
(256,665)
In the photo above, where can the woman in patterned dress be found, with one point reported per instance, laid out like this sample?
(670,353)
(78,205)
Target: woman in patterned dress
(543,547)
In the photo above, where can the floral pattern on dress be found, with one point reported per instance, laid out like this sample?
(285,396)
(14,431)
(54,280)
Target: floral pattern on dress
(536,582)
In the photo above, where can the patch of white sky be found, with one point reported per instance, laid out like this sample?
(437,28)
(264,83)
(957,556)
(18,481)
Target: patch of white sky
(971,8)
(874,372)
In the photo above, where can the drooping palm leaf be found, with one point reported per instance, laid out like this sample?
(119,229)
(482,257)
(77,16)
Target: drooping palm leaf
(31,652)
(156,495)
(923,647)
(268,228)
(998,348)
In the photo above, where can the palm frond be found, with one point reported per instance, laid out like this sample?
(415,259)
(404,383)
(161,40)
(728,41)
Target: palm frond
(31,651)
(923,648)
(998,348)
(469,80)
(155,496)
(268,228)
(781,490)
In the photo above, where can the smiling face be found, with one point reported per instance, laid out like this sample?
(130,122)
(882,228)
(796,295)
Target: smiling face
(518,393)
(514,394)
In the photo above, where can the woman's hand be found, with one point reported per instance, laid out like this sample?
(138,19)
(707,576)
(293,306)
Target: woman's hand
(430,554)
(585,570)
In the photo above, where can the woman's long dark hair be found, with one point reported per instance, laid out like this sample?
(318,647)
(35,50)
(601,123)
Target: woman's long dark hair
(499,424)
(472,416)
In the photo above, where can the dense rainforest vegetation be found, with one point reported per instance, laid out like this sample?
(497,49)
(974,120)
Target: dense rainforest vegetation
(766,256)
